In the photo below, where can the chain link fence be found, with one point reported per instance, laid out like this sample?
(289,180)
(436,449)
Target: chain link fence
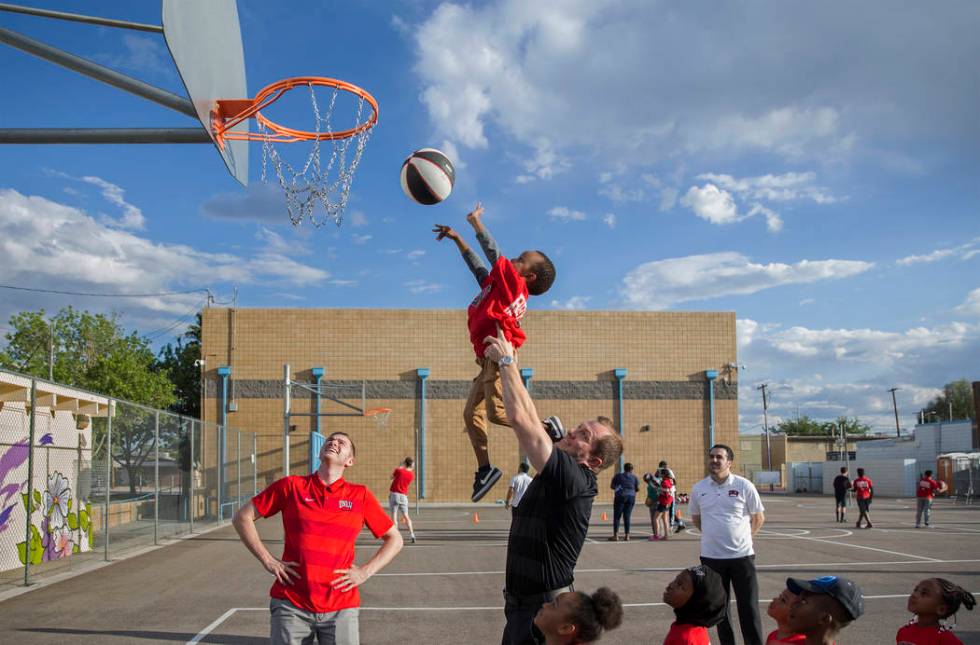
(84,476)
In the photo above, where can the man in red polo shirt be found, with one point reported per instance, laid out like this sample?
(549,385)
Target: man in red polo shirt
(315,593)
(925,490)
(864,492)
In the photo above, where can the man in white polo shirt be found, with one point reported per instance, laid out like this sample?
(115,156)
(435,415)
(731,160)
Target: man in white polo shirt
(727,510)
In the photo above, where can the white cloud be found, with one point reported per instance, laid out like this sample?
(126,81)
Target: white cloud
(132,217)
(787,129)
(260,201)
(663,283)
(415,255)
(565,214)
(361,239)
(711,203)
(423,286)
(773,222)
(357,219)
(620,195)
(144,54)
(609,219)
(807,301)
(573,303)
(791,186)
(963,252)
(971,305)
(48,245)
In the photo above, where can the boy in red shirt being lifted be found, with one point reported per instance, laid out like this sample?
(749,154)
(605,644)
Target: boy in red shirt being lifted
(502,301)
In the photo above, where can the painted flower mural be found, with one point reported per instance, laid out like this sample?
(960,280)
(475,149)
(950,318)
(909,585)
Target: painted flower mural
(56,499)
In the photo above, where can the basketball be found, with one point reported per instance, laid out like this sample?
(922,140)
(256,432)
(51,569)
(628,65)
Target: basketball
(428,176)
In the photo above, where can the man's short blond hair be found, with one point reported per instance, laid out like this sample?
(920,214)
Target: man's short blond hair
(609,446)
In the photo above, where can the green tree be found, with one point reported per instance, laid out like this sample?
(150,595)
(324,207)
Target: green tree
(93,352)
(960,394)
(807,427)
(180,362)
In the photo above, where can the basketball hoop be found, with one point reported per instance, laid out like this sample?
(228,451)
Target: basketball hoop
(380,416)
(314,182)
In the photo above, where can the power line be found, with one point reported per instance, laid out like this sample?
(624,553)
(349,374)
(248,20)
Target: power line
(105,295)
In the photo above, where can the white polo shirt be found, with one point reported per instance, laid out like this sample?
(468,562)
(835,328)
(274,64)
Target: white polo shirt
(726,532)
(519,483)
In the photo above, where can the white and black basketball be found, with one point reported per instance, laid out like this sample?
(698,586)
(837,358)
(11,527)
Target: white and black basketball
(428,176)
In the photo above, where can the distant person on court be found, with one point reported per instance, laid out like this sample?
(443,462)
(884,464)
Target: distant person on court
(664,501)
(401,479)
(825,606)
(653,492)
(728,511)
(698,598)
(778,610)
(502,302)
(315,595)
(625,486)
(842,484)
(864,492)
(933,601)
(675,519)
(576,617)
(518,484)
(551,522)
(925,490)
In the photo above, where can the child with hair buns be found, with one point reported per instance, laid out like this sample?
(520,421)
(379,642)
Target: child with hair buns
(932,601)
(699,600)
(576,617)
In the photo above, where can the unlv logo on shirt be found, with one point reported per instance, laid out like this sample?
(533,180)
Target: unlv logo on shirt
(518,307)
(346,504)
(732,492)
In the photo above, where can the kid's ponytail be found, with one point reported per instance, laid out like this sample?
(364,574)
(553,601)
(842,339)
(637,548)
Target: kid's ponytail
(955,596)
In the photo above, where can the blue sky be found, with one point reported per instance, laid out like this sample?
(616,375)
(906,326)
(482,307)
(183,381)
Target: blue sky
(811,166)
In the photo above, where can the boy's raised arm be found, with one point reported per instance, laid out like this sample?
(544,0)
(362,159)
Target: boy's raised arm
(487,243)
(472,260)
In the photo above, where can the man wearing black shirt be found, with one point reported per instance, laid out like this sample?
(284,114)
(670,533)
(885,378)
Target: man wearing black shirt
(550,524)
(842,484)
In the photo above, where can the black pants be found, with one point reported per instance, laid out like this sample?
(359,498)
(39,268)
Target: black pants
(623,508)
(739,574)
(517,630)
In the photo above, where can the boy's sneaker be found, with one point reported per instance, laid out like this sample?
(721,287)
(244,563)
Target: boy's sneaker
(484,480)
(554,428)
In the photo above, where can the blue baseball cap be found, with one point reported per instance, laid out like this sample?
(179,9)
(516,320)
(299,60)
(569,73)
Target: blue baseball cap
(843,590)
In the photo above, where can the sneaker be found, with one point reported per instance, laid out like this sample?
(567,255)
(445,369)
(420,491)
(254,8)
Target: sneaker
(653,538)
(554,428)
(626,538)
(614,538)
(413,539)
(679,528)
(484,480)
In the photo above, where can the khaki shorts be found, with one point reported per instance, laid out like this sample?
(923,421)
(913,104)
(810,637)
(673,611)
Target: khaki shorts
(399,501)
(291,625)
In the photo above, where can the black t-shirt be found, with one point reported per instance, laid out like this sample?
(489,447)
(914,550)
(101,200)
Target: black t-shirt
(549,526)
(841,484)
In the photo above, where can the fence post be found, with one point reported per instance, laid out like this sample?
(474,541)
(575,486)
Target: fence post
(238,466)
(156,477)
(30,483)
(255,465)
(111,408)
(192,506)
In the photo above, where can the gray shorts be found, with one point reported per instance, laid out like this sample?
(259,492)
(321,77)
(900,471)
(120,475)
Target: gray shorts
(399,501)
(291,625)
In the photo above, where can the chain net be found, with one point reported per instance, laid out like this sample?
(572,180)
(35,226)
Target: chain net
(323,180)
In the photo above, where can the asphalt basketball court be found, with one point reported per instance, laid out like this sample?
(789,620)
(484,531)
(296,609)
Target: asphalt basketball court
(447,587)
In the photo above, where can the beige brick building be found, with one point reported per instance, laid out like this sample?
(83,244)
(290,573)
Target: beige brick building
(664,395)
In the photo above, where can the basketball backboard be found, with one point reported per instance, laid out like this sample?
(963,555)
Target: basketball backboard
(205,41)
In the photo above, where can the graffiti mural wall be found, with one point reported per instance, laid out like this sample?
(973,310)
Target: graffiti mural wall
(49,519)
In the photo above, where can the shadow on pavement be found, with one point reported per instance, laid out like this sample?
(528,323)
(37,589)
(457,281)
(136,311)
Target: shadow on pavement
(160,636)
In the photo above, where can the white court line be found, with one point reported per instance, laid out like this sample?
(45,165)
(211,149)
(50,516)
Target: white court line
(222,618)
(861,546)
(794,565)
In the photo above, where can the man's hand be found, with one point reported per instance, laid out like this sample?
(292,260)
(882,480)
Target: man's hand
(283,571)
(349,578)
(444,231)
(498,346)
(474,216)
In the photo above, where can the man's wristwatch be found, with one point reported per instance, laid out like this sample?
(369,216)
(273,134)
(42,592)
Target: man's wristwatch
(503,361)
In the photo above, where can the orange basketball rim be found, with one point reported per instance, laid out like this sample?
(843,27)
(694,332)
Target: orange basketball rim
(231,112)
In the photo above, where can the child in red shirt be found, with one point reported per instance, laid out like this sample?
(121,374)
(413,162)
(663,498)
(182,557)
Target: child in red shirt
(779,611)
(864,492)
(502,301)
(664,500)
(576,617)
(699,601)
(934,600)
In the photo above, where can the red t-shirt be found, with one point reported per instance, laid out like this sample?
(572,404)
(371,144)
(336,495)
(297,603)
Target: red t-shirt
(862,487)
(914,634)
(681,634)
(773,639)
(401,478)
(502,301)
(321,525)
(926,487)
(665,498)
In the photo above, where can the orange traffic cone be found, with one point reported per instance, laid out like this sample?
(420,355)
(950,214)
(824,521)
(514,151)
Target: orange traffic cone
(604,517)
(476,518)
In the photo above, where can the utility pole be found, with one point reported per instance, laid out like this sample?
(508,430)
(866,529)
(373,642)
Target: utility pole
(765,425)
(898,429)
